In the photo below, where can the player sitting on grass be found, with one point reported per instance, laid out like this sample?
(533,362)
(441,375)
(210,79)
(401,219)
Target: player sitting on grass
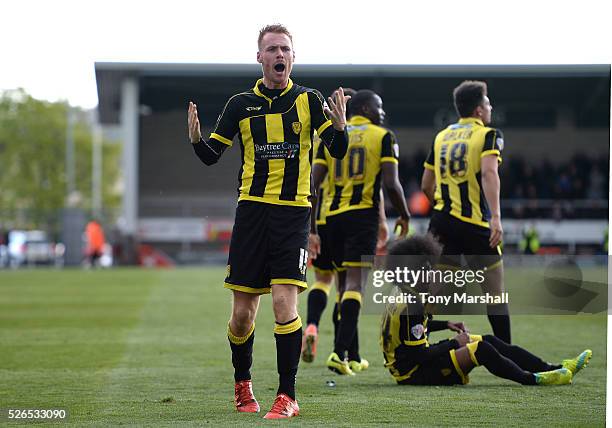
(412,360)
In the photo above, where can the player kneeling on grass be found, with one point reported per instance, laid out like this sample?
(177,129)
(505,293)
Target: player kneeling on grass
(412,360)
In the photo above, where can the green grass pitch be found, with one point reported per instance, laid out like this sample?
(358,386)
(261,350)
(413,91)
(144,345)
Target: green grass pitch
(149,347)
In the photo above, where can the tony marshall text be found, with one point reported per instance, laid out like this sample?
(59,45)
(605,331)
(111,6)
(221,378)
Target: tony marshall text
(424,298)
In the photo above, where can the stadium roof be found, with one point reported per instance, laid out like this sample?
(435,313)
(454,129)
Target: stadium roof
(109,75)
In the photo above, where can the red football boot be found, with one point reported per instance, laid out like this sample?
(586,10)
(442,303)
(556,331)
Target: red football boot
(309,343)
(283,407)
(243,397)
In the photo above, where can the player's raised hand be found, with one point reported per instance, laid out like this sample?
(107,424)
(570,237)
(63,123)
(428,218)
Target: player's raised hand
(314,246)
(496,231)
(337,109)
(193,123)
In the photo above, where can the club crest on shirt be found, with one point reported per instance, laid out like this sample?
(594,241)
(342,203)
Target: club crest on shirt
(417,331)
(297,127)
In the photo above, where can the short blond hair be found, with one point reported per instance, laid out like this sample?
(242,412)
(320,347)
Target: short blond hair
(273,28)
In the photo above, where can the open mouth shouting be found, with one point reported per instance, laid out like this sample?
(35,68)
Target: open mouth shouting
(280,67)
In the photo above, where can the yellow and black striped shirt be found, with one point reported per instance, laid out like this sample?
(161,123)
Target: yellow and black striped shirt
(354,182)
(275,131)
(404,339)
(455,158)
(323,200)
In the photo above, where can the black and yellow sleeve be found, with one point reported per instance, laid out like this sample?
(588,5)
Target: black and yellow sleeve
(389,149)
(493,144)
(436,325)
(419,349)
(227,123)
(320,157)
(430,161)
(318,119)
(209,151)
(414,330)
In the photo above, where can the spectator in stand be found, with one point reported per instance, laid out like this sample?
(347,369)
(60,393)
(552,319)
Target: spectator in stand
(596,183)
(539,189)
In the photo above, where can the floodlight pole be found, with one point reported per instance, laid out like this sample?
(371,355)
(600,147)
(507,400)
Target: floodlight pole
(96,171)
(73,218)
(70,167)
(129,123)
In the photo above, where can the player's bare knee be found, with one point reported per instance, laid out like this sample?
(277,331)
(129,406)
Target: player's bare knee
(354,286)
(279,302)
(284,309)
(242,320)
(244,312)
(325,277)
(354,280)
(494,280)
(284,302)
(244,315)
(464,360)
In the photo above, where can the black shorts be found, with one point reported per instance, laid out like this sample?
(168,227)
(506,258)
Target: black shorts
(353,234)
(461,238)
(269,246)
(439,371)
(323,262)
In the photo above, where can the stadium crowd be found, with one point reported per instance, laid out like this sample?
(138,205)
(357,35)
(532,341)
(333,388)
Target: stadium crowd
(577,188)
